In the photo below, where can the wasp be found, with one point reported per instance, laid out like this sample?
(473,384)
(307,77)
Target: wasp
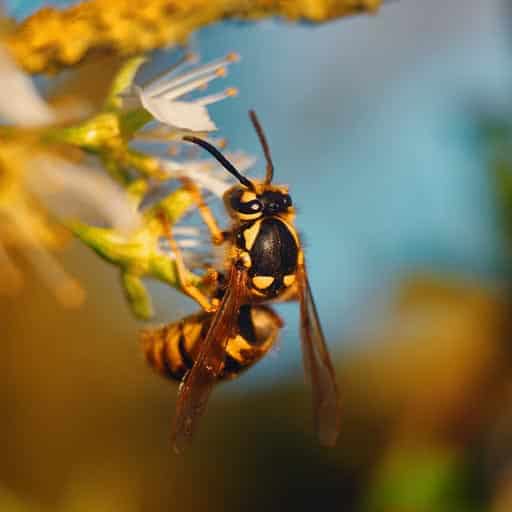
(172,349)
(264,264)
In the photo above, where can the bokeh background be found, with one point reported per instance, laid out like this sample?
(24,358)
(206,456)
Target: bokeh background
(393,133)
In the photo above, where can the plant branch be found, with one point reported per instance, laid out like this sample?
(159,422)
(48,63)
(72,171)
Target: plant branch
(53,39)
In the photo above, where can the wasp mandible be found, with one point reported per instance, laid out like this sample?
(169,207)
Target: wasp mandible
(264,263)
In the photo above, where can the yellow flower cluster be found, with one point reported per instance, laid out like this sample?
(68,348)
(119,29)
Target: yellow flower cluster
(27,228)
(53,39)
(50,174)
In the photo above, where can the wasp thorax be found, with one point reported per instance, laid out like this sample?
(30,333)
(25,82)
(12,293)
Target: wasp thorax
(249,205)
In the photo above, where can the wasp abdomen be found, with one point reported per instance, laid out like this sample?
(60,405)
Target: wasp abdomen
(172,349)
(168,348)
(273,250)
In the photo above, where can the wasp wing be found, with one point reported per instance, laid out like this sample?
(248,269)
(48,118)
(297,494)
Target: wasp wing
(317,365)
(198,383)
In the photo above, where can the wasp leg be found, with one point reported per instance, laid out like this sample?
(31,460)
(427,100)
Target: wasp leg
(206,214)
(183,273)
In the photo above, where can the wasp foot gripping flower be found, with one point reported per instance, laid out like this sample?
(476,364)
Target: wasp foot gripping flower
(163,96)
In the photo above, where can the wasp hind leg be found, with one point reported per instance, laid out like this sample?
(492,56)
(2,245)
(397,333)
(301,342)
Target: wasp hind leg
(192,290)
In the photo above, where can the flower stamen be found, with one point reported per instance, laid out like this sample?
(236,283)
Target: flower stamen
(162,98)
(187,58)
(214,98)
(155,88)
(172,92)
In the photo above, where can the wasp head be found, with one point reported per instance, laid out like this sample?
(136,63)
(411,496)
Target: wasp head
(251,200)
(251,204)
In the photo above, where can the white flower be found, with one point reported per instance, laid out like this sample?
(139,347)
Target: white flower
(20,103)
(68,184)
(208,173)
(35,184)
(162,97)
(71,190)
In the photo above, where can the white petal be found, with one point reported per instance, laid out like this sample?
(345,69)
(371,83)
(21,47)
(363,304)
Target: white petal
(19,100)
(70,190)
(173,93)
(207,173)
(180,114)
(203,178)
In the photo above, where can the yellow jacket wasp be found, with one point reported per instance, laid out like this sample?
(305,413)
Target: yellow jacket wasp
(264,263)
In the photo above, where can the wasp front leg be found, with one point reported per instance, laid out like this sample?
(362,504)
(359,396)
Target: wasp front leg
(206,214)
(209,279)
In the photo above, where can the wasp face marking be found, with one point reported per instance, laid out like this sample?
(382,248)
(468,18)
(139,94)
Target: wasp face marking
(247,196)
(248,205)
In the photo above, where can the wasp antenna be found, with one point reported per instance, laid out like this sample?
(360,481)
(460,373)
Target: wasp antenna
(221,159)
(264,144)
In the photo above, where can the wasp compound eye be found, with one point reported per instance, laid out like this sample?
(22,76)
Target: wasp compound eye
(287,201)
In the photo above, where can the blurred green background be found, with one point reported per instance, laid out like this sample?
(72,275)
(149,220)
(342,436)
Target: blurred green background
(394,133)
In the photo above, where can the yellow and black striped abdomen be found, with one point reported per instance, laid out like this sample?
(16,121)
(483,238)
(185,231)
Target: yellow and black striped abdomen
(169,348)
(172,349)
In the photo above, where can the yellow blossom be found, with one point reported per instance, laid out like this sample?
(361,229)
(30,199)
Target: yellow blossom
(27,229)
(52,39)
